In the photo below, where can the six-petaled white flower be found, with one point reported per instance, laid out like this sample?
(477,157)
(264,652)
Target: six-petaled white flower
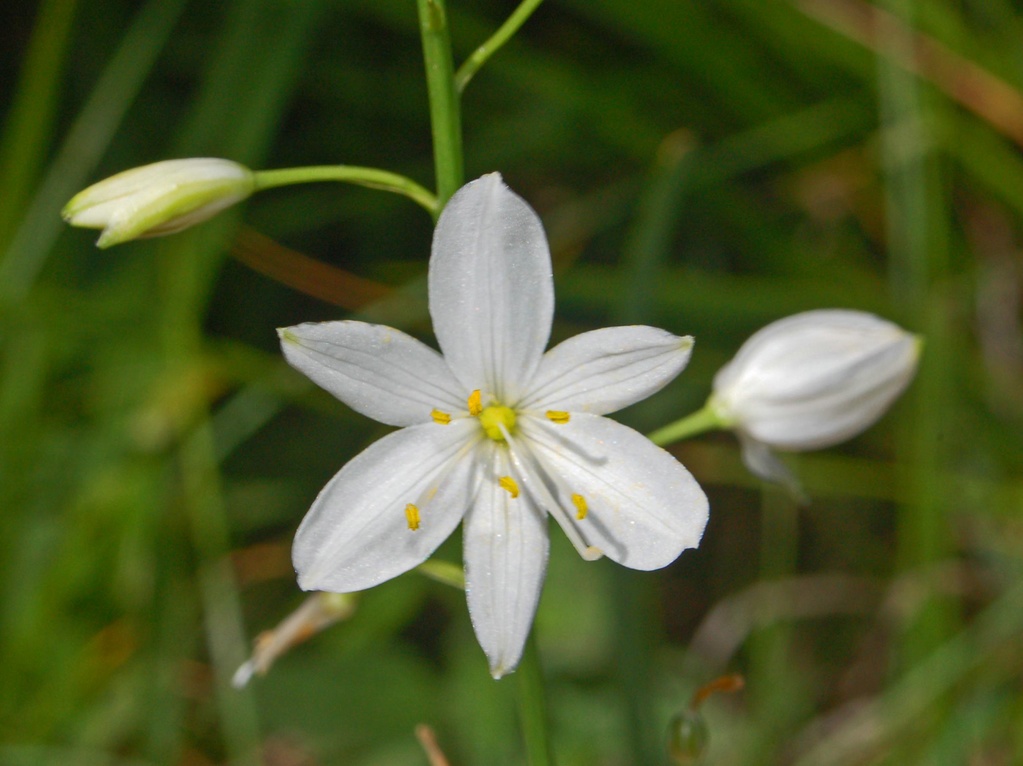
(161,198)
(495,433)
(811,380)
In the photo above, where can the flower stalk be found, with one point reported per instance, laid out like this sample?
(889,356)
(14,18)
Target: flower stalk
(371,178)
(482,54)
(445,109)
(533,707)
(704,419)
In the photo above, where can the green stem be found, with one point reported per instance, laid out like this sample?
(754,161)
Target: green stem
(479,56)
(443,572)
(186,274)
(705,419)
(916,195)
(219,592)
(445,111)
(533,707)
(30,113)
(370,177)
(775,692)
(635,625)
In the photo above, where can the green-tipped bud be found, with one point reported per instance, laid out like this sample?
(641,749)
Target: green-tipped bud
(162,198)
(687,738)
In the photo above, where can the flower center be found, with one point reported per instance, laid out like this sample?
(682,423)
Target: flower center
(495,416)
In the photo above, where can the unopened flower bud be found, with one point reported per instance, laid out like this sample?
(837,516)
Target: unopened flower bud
(687,738)
(157,199)
(812,380)
(688,735)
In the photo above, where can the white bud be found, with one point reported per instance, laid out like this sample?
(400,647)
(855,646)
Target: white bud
(157,199)
(812,380)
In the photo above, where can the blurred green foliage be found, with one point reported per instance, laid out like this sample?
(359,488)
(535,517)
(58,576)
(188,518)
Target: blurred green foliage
(704,167)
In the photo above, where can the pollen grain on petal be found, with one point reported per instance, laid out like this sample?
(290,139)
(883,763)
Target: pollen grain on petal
(509,484)
(581,508)
(440,417)
(558,416)
(412,516)
(475,403)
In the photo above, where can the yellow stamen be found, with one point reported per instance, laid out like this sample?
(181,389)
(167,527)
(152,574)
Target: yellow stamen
(412,516)
(475,405)
(508,483)
(557,416)
(440,417)
(581,507)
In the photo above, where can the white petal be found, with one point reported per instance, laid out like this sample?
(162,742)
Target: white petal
(644,507)
(761,461)
(505,560)
(491,289)
(357,533)
(604,370)
(376,370)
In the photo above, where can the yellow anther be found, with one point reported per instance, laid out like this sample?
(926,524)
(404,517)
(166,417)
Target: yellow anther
(440,417)
(581,508)
(412,516)
(557,416)
(494,417)
(508,483)
(475,405)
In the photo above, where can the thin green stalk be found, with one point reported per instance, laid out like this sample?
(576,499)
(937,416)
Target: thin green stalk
(29,124)
(369,177)
(219,593)
(916,200)
(186,275)
(636,622)
(533,707)
(704,419)
(479,57)
(635,626)
(778,695)
(443,572)
(648,245)
(89,136)
(445,111)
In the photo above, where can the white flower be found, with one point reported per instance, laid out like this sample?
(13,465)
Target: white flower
(495,433)
(157,199)
(810,381)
